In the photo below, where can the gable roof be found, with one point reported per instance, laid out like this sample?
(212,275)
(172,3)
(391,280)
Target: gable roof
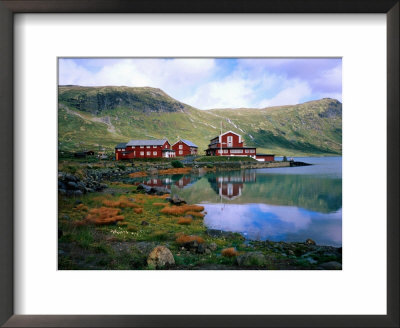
(121,145)
(154,142)
(187,142)
(219,136)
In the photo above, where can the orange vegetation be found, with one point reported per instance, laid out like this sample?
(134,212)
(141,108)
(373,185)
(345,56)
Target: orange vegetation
(160,204)
(180,210)
(122,202)
(164,196)
(138,174)
(81,207)
(138,210)
(182,170)
(229,252)
(195,214)
(183,239)
(184,221)
(102,216)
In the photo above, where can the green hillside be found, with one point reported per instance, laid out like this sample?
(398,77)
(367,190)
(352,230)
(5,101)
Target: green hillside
(104,116)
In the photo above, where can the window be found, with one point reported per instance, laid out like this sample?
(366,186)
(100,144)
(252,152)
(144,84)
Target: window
(154,153)
(154,146)
(180,152)
(123,149)
(141,146)
(148,146)
(237,151)
(166,146)
(148,153)
(180,146)
(219,151)
(141,153)
(226,151)
(247,151)
(252,151)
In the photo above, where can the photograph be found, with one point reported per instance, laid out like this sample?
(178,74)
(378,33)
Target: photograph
(199,163)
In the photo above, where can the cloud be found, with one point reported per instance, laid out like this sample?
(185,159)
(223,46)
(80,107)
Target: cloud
(295,93)
(215,83)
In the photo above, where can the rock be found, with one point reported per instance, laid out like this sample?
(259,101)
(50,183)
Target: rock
(331,265)
(78,193)
(309,241)
(152,171)
(70,177)
(251,259)
(72,185)
(176,200)
(219,233)
(201,249)
(160,257)
(213,247)
(144,223)
(62,191)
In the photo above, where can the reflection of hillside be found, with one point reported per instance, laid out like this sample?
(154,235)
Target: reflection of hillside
(310,192)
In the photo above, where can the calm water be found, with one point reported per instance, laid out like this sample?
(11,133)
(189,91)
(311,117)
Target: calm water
(281,204)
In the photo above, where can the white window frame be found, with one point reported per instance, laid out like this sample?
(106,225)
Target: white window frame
(180,146)
(141,146)
(142,153)
(180,152)
(148,153)
(154,153)
(154,146)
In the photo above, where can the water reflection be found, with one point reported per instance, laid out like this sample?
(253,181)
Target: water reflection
(289,204)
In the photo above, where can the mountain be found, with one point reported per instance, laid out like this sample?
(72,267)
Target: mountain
(104,116)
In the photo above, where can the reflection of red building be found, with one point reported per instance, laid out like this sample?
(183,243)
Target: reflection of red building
(231,186)
(183,182)
(144,149)
(184,148)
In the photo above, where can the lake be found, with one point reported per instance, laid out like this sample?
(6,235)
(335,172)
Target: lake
(278,204)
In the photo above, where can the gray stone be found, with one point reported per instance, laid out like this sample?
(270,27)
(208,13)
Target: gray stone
(213,246)
(72,185)
(160,257)
(251,259)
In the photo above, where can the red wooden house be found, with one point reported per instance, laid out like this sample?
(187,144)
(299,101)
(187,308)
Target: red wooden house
(144,149)
(184,148)
(229,144)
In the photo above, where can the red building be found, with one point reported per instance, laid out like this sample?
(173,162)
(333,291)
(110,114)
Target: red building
(184,148)
(144,149)
(229,144)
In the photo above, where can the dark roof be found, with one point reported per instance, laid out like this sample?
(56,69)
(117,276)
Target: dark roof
(265,155)
(154,142)
(168,149)
(121,145)
(189,143)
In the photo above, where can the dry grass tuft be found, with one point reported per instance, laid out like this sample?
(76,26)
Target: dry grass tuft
(81,207)
(184,221)
(102,216)
(195,214)
(138,174)
(184,239)
(183,209)
(160,204)
(229,252)
(138,210)
(122,203)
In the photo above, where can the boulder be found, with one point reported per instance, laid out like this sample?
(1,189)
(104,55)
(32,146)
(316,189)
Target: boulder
(309,241)
(251,259)
(160,257)
(176,200)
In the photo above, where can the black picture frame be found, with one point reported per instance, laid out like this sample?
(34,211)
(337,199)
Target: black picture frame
(10,7)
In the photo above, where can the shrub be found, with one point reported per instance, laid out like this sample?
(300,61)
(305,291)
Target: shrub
(180,210)
(229,252)
(184,239)
(81,207)
(160,204)
(177,164)
(138,210)
(138,174)
(122,203)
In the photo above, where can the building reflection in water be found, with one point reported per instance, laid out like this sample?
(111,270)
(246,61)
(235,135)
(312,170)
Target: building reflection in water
(229,185)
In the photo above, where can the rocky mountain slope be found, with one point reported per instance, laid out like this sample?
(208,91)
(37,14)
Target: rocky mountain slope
(91,117)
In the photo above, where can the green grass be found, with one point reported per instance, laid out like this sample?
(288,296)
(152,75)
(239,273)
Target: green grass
(312,128)
(216,159)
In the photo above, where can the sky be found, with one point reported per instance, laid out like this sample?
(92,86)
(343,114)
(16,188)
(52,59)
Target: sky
(207,83)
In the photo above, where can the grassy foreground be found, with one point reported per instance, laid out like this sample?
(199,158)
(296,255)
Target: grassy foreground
(119,228)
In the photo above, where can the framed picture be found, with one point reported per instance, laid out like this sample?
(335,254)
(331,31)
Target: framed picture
(182,142)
